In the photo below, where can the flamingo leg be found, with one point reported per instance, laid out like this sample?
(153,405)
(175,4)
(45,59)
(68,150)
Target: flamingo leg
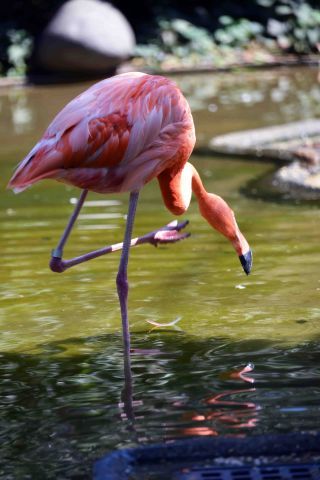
(58,251)
(169,233)
(122,276)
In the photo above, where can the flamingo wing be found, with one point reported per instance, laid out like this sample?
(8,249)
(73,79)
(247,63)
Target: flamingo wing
(115,136)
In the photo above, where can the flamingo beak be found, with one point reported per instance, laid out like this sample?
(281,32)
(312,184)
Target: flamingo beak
(246,261)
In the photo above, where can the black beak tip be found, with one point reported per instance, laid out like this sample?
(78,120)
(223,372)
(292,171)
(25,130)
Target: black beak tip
(246,261)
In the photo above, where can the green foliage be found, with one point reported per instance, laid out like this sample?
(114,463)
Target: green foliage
(290,25)
(178,39)
(301,31)
(179,31)
(15,50)
(18,51)
(237,32)
(179,42)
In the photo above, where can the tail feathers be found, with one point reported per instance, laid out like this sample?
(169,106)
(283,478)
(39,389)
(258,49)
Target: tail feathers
(40,163)
(18,181)
(21,178)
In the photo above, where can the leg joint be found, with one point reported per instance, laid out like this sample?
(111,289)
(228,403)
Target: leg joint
(57,265)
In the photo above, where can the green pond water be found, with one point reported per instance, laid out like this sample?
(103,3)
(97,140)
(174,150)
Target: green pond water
(61,365)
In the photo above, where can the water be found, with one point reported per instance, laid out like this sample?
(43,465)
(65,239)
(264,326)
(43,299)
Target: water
(61,361)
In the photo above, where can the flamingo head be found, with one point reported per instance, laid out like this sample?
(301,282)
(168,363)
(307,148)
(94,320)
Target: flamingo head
(221,217)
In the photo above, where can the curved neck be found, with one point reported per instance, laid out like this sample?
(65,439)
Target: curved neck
(177,186)
(218,214)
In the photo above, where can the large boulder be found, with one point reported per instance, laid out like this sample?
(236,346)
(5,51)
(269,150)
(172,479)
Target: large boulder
(85,36)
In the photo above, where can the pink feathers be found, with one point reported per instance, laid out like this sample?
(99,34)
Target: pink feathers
(115,136)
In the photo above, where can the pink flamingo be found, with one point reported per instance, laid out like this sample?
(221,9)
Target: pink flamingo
(115,137)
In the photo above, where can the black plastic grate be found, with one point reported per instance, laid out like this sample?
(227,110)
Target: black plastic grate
(177,460)
(276,472)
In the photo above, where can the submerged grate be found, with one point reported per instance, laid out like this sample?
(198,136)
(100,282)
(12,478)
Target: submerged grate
(275,472)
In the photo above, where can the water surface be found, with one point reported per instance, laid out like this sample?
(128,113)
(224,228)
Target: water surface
(61,358)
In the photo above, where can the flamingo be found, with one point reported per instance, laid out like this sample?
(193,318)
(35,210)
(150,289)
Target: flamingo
(115,137)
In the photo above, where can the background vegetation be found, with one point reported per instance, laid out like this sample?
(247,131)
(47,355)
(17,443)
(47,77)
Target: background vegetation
(176,31)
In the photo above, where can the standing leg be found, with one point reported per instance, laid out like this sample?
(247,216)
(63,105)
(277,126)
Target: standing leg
(127,391)
(122,277)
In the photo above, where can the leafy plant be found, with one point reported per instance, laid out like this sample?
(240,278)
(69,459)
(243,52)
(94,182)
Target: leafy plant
(180,40)
(180,43)
(237,32)
(18,51)
(297,27)
(181,32)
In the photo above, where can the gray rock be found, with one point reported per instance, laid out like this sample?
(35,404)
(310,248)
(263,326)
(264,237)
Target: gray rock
(278,141)
(302,181)
(296,142)
(85,36)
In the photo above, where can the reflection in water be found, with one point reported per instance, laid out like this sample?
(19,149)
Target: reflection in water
(252,89)
(234,413)
(226,412)
(127,392)
(60,405)
(21,111)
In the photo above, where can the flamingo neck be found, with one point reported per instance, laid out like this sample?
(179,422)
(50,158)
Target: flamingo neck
(177,186)
(218,214)
(197,185)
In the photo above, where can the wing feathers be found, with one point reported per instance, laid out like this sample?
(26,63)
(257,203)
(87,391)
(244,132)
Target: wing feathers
(128,122)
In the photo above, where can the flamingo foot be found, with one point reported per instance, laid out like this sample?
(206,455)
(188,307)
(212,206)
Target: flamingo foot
(170,233)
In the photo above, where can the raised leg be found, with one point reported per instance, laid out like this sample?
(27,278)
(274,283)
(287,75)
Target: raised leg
(170,233)
(58,251)
(122,277)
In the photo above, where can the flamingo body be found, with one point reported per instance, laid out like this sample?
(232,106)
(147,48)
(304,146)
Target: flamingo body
(115,137)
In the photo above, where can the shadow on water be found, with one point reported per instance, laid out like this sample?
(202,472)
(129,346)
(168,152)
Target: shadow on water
(60,411)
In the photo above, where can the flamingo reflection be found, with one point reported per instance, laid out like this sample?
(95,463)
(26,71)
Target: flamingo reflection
(234,413)
(224,409)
